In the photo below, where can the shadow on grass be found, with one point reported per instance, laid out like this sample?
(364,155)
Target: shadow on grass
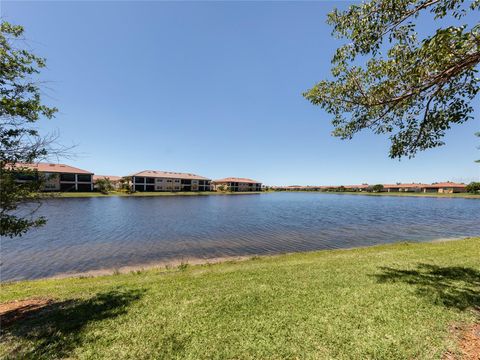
(55,330)
(453,287)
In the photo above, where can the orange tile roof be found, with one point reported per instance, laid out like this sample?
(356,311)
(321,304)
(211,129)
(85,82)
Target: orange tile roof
(446,185)
(110,177)
(169,175)
(234,179)
(53,168)
(405,186)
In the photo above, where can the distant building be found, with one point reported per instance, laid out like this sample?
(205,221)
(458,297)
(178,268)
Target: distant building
(237,184)
(414,187)
(154,180)
(56,177)
(115,180)
(446,188)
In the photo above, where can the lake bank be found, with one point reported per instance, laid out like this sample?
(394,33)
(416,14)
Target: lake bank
(311,305)
(208,193)
(144,194)
(187,262)
(406,194)
(92,234)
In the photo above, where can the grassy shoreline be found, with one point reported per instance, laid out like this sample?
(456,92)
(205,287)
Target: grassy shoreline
(407,194)
(145,194)
(394,301)
(213,193)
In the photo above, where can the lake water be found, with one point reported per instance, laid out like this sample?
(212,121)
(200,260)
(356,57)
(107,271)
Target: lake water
(94,233)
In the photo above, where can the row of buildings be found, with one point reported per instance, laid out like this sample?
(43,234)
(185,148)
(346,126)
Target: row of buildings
(440,187)
(60,177)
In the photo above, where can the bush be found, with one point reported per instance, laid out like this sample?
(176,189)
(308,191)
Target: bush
(377,188)
(104,185)
(473,187)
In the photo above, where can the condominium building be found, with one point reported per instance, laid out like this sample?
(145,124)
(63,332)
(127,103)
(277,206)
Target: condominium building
(154,180)
(55,177)
(446,187)
(237,184)
(413,187)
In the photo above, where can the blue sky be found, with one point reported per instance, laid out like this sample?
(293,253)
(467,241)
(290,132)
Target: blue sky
(212,88)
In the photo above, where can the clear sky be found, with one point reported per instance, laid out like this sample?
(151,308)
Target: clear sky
(212,88)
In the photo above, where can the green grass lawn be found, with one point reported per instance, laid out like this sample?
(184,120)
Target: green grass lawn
(385,302)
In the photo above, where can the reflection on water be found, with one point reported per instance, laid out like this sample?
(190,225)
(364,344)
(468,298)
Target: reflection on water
(94,233)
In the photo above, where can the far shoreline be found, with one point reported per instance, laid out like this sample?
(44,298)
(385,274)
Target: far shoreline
(94,194)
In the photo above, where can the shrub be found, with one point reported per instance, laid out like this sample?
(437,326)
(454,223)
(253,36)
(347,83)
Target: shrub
(473,187)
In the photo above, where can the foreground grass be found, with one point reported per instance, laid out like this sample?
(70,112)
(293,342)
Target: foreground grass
(144,193)
(385,302)
(411,194)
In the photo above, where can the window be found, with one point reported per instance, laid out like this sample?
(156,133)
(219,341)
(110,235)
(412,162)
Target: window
(150,187)
(84,178)
(159,180)
(169,181)
(29,177)
(67,177)
(149,180)
(67,187)
(186,182)
(139,180)
(84,187)
(177,181)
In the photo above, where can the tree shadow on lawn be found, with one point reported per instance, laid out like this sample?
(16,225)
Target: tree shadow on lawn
(453,287)
(55,330)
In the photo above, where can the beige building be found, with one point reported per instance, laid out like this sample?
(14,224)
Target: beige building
(414,187)
(56,177)
(236,184)
(446,188)
(155,180)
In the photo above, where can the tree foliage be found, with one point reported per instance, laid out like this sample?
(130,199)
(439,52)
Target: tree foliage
(21,107)
(377,188)
(389,79)
(104,185)
(473,187)
(126,184)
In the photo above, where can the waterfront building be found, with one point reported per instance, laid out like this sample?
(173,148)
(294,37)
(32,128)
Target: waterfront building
(446,187)
(414,187)
(156,180)
(55,177)
(237,184)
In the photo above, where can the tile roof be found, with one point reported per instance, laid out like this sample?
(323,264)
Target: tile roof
(53,168)
(446,185)
(169,175)
(234,179)
(405,186)
(110,177)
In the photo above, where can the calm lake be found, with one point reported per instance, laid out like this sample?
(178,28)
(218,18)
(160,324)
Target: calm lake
(96,233)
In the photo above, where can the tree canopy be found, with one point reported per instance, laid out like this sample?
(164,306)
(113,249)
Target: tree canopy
(21,107)
(391,80)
